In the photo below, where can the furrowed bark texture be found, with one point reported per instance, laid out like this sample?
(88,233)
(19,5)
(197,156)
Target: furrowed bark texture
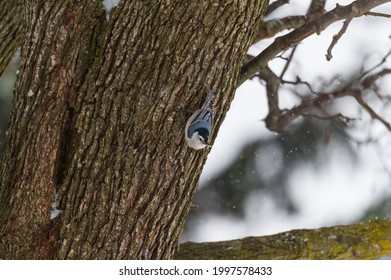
(10,30)
(97,122)
(52,68)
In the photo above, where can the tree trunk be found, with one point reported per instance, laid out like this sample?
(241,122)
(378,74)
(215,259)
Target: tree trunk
(97,123)
(10,30)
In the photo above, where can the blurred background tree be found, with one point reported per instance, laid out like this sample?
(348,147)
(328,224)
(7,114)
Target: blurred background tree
(276,178)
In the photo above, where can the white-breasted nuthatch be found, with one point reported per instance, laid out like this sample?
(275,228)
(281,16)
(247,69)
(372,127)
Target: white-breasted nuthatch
(199,125)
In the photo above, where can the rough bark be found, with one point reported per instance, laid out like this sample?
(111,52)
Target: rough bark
(97,122)
(10,30)
(53,66)
(368,240)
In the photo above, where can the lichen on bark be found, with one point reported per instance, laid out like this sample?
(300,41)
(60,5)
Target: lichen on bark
(367,240)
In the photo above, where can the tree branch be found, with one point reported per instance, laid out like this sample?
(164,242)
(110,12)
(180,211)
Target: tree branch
(369,81)
(272,86)
(374,14)
(356,9)
(278,123)
(338,36)
(368,240)
(316,8)
(277,119)
(288,62)
(372,112)
(275,5)
(271,27)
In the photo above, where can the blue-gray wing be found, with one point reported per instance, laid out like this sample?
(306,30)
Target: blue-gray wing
(203,121)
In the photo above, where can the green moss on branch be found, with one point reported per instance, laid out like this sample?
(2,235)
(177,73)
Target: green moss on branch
(368,240)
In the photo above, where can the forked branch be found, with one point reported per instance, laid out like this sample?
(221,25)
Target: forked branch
(277,118)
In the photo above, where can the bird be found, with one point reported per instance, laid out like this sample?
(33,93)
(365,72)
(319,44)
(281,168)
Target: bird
(200,123)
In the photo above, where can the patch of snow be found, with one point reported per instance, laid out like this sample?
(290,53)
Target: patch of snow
(54,212)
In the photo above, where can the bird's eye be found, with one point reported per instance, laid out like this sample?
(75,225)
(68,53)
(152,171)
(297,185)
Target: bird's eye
(202,139)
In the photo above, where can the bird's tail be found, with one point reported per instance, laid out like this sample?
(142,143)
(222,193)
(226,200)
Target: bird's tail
(208,100)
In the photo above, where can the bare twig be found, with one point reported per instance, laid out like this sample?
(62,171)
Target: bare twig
(272,87)
(278,119)
(275,5)
(344,120)
(282,56)
(271,27)
(373,114)
(357,9)
(310,106)
(307,105)
(374,14)
(365,82)
(289,60)
(338,36)
(316,8)
(299,81)
(384,59)
(370,80)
